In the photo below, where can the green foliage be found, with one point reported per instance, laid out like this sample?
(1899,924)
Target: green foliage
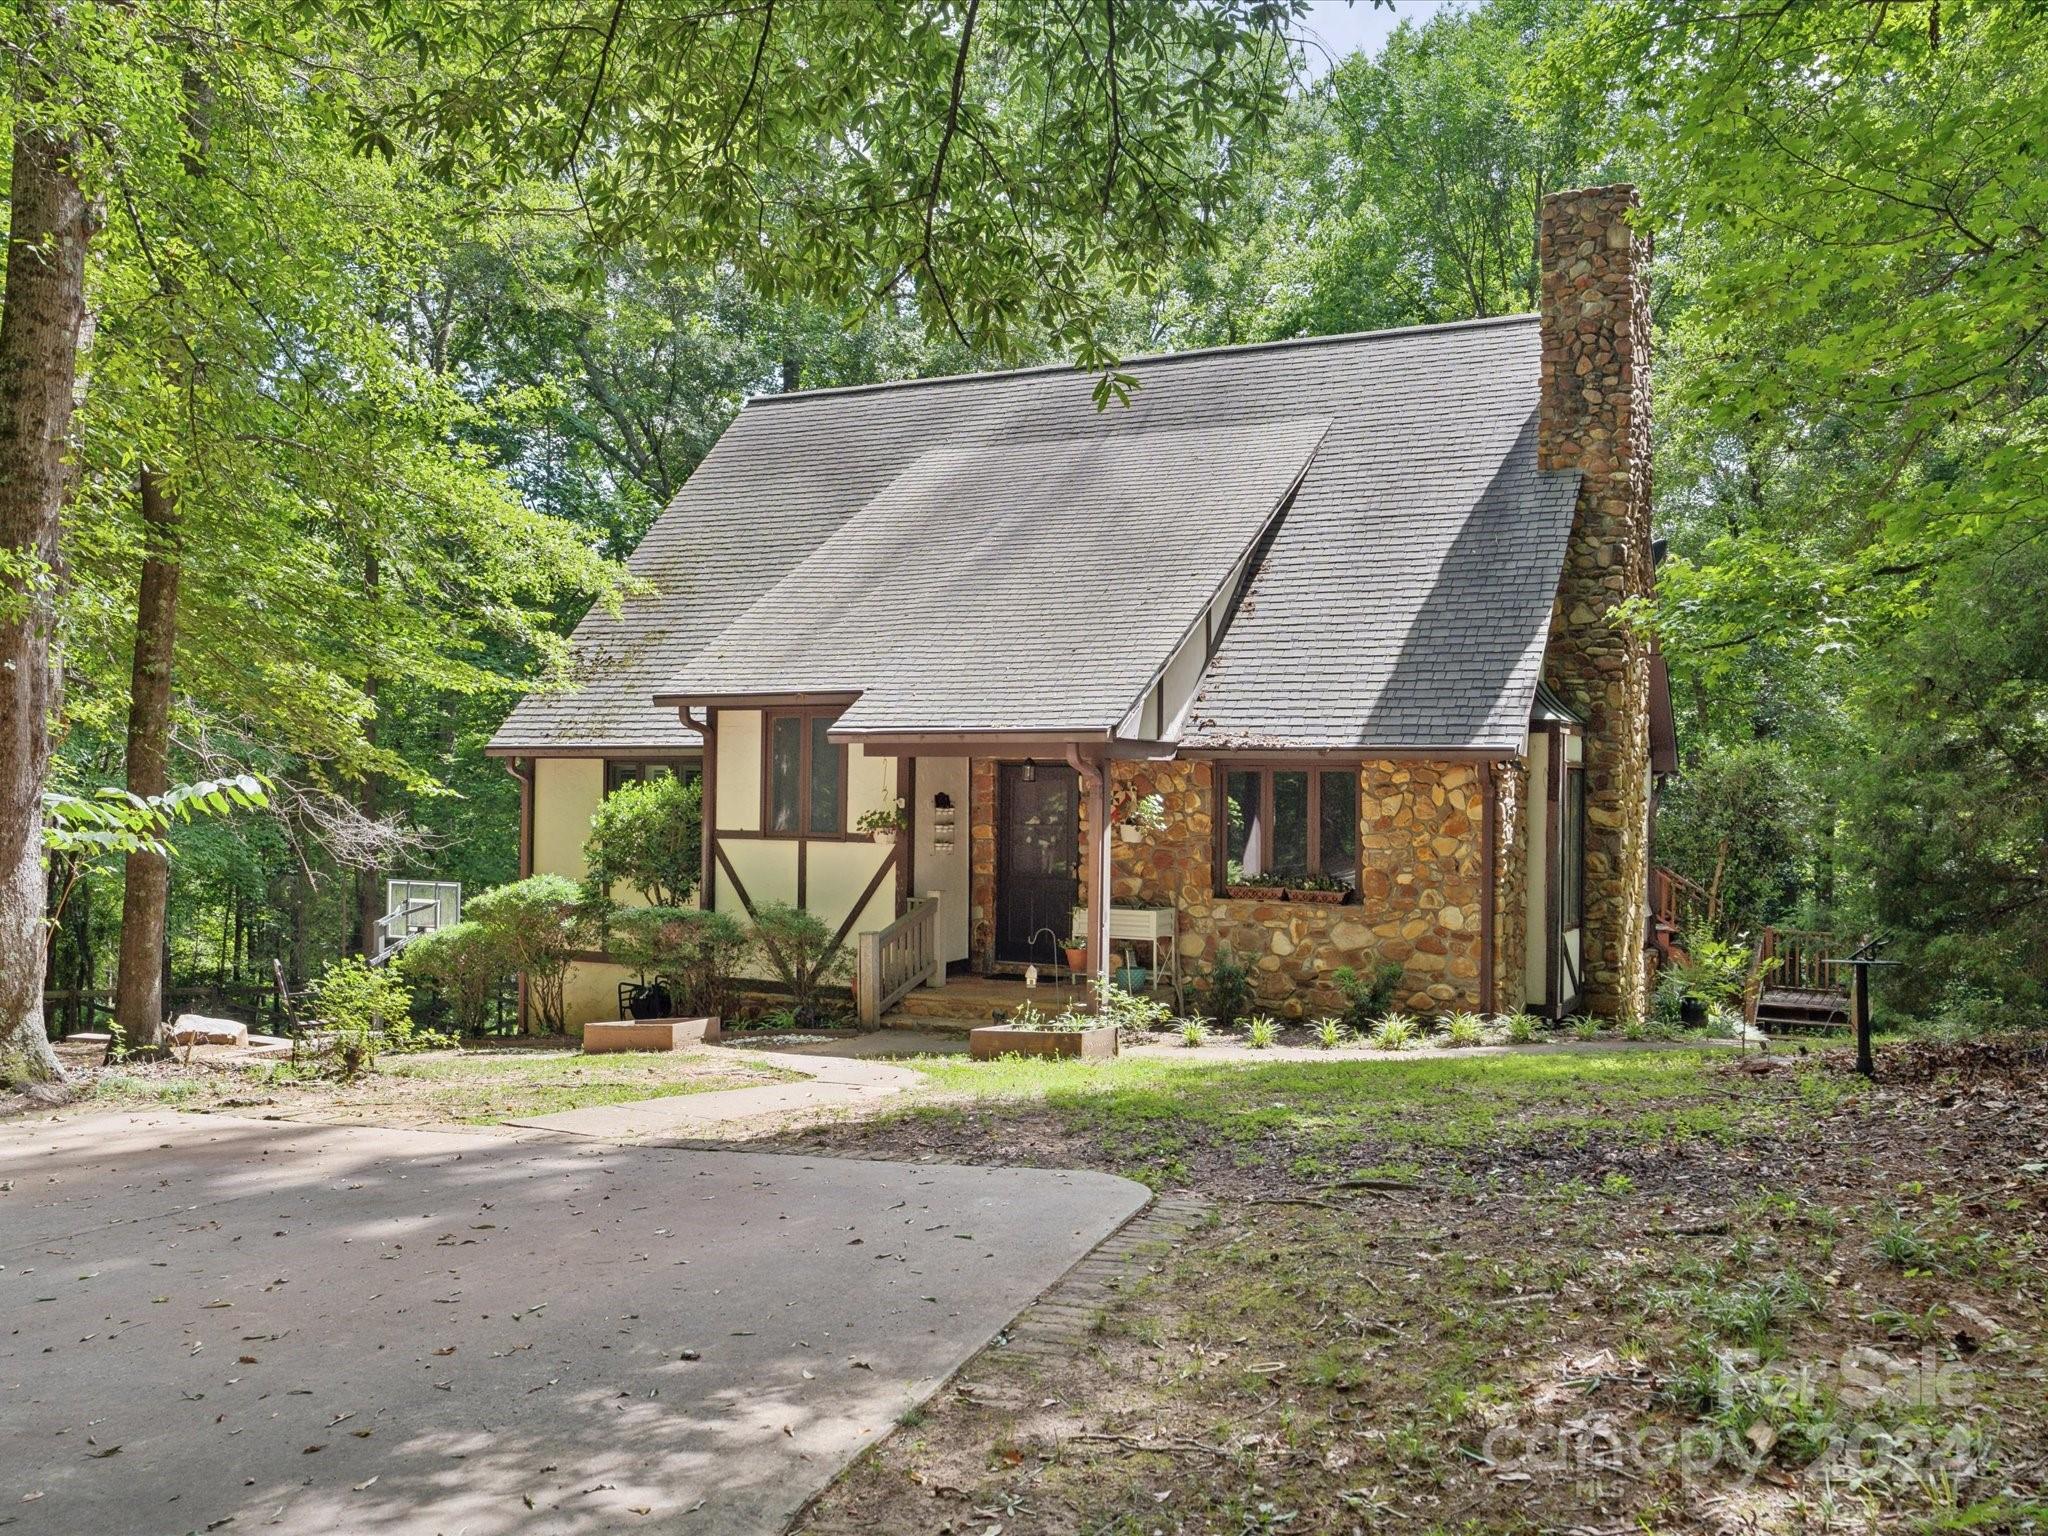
(538,923)
(115,821)
(1262,1032)
(1012,186)
(465,963)
(1740,822)
(369,1010)
(801,950)
(1229,989)
(1521,1029)
(1330,1033)
(1193,1031)
(1714,970)
(696,955)
(1464,1029)
(1132,1014)
(1366,998)
(1394,1032)
(648,836)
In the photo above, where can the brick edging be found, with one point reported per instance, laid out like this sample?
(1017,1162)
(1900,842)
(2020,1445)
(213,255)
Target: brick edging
(1069,1308)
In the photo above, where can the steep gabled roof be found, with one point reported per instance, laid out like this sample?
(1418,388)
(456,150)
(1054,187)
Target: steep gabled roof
(1403,601)
(1036,585)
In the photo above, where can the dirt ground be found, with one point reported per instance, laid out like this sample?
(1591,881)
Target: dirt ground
(482,1083)
(1749,1299)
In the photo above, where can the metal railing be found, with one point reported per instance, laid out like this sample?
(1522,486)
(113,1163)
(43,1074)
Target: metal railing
(891,961)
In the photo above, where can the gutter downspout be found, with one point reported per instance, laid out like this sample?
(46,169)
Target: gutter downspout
(707,802)
(525,781)
(1095,796)
(1489,886)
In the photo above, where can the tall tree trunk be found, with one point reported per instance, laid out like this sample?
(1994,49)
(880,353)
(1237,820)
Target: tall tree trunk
(138,988)
(50,224)
(369,900)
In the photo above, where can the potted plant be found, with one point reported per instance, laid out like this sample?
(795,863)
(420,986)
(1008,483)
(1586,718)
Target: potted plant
(1319,888)
(883,825)
(1076,952)
(1131,976)
(1139,814)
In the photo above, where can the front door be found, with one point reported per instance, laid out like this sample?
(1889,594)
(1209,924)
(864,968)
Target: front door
(1038,834)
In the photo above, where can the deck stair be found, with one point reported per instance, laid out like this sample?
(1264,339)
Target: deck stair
(968,1002)
(1676,903)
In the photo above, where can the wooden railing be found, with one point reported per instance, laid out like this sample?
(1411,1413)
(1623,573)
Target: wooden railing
(892,960)
(1676,902)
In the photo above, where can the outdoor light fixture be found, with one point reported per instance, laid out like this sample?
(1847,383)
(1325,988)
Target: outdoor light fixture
(1030,771)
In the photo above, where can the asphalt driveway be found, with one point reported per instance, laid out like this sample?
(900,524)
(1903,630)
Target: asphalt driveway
(342,1329)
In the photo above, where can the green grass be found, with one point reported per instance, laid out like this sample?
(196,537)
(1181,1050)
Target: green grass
(1149,1111)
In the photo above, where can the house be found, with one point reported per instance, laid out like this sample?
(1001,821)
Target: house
(1344,606)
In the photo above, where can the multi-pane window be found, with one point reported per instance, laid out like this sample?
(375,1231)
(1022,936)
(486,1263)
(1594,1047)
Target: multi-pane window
(620,772)
(805,769)
(1291,824)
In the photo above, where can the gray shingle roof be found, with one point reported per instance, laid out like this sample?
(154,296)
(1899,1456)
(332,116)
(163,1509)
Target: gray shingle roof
(1404,600)
(1037,585)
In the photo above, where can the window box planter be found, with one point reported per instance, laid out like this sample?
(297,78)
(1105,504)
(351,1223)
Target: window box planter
(1321,898)
(1253,893)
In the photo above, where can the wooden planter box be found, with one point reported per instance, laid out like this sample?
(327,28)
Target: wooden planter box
(647,1035)
(993,1040)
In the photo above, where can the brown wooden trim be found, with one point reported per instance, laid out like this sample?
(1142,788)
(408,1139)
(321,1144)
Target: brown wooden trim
(707,896)
(1219,782)
(749,835)
(1488,819)
(906,836)
(860,905)
(803,874)
(805,719)
(618,749)
(836,701)
(739,886)
(1355,756)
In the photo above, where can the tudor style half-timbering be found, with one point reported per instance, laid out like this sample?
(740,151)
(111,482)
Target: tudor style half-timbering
(1344,606)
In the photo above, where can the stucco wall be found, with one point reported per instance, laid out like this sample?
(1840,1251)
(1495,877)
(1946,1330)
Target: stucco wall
(566,794)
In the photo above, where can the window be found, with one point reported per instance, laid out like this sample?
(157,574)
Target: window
(1291,824)
(618,772)
(1571,848)
(805,778)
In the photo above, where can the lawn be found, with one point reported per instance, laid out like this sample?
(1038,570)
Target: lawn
(477,1086)
(1599,1292)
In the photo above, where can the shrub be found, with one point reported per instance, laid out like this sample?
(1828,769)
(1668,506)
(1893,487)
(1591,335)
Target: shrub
(1465,1029)
(649,837)
(1230,990)
(539,922)
(801,949)
(368,1008)
(1262,1032)
(1366,999)
(1131,1013)
(1394,1032)
(464,963)
(1715,969)
(1329,1034)
(696,956)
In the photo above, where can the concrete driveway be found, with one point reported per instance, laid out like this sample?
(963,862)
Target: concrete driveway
(334,1329)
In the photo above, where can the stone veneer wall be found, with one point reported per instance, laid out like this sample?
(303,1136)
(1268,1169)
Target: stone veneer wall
(1421,872)
(1510,885)
(1594,416)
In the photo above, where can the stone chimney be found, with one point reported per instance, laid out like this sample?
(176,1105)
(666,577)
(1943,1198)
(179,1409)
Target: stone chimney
(1593,415)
